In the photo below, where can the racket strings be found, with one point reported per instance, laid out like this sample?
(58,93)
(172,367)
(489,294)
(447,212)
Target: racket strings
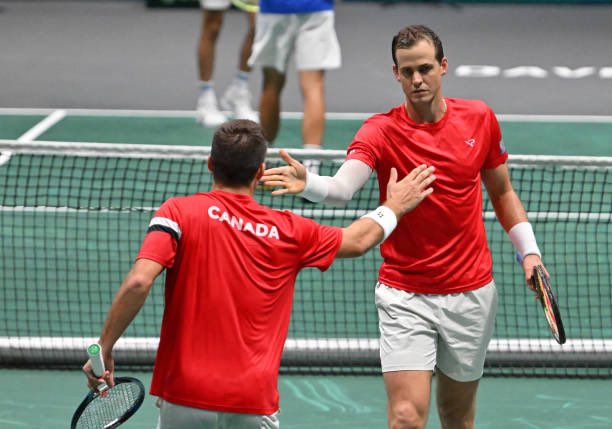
(104,410)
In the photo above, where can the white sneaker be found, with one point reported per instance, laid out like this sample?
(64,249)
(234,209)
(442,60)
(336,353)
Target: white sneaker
(208,113)
(237,98)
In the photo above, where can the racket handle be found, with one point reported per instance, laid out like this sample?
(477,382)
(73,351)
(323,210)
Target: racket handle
(97,362)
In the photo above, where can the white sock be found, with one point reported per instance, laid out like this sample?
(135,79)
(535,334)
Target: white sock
(206,85)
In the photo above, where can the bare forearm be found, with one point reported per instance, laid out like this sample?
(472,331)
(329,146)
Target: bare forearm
(509,209)
(359,237)
(127,303)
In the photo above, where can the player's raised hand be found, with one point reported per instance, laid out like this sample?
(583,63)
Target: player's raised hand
(405,194)
(290,178)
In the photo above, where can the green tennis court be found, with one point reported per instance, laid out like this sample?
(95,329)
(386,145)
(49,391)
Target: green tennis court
(32,399)
(537,135)
(72,225)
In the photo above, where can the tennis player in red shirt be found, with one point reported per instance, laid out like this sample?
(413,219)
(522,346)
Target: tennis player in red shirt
(435,294)
(231,267)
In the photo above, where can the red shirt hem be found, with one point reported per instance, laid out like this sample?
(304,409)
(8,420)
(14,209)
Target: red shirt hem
(476,284)
(215,407)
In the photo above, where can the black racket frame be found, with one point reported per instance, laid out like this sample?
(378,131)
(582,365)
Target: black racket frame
(92,395)
(544,287)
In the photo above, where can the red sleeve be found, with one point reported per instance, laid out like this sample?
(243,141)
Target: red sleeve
(163,235)
(320,244)
(364,146)
(497,154)
(159,247)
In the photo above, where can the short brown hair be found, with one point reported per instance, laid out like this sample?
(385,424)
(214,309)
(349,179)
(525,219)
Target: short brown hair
(409,36)
(238,149)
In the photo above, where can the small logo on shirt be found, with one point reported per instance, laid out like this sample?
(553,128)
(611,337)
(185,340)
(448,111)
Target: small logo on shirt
(470,142)
(502,147)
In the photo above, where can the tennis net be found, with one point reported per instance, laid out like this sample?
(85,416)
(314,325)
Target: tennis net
(72,217)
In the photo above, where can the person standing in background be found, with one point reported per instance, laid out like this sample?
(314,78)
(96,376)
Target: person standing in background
(305,30)
(237,97)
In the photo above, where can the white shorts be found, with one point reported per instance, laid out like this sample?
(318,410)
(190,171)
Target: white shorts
(215,4)
(310,36)
(422,331)
(173,416)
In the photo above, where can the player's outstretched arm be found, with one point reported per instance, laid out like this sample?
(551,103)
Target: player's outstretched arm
(336,191)
(402,197)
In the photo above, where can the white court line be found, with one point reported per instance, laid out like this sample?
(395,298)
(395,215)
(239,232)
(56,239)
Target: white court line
(38,129)
(294,115)
(4,157)
(555,118)
(34,132)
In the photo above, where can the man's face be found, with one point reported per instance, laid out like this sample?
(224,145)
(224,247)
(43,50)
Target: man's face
(419,73)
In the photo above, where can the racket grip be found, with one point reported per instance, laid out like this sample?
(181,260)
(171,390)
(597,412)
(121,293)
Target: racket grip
(97,362)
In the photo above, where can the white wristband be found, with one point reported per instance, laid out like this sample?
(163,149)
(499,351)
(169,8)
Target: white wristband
(524,240)
(316,188)
(385,217)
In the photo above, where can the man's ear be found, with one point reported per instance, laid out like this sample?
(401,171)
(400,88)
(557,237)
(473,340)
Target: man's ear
(396,73)
(260,171)
(444,65)
(209,163)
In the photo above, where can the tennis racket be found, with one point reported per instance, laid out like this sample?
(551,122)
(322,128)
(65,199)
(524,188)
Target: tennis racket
(543,288)
(108,407)
(251,6)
